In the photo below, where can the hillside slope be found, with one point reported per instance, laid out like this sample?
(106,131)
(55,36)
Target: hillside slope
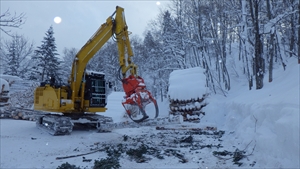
(268,117)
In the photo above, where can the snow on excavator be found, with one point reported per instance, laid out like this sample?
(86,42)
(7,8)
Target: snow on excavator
(85,94)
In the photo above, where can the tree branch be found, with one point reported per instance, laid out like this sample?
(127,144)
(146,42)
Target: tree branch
(14,21)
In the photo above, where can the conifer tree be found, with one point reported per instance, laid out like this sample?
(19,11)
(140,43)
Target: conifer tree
(46,56)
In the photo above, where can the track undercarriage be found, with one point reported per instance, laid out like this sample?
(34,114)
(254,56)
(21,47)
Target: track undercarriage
(56,124)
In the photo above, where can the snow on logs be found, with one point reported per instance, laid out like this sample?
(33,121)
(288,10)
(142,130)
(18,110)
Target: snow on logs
(187,92)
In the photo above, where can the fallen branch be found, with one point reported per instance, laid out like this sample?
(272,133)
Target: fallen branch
(255,123)
(185,128)
(78,155)
(248,145)
(237,155)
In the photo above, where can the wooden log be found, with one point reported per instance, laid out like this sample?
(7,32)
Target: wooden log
(20,114)
(15,117)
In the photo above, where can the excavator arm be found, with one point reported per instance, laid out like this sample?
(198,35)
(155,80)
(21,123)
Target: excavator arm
(87,52)
(113,26)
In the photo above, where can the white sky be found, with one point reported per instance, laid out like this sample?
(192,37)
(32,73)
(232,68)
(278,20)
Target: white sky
(80,19)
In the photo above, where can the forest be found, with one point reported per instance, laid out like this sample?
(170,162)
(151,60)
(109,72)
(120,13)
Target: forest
(244,39)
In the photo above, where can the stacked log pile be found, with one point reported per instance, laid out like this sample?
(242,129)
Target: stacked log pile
(22,92)
(21,101)
(190,109)
(187,93)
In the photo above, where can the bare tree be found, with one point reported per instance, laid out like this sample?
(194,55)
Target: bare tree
(67,60)
(271,42)
(15,55)
(258,61)
(11,21)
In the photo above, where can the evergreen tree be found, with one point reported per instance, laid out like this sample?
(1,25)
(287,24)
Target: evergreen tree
(46,56)
(169,41)
(156,66)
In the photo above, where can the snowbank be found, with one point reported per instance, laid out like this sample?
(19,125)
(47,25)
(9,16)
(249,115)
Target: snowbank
(9,78)
(5,83)
(187,84)
(115,108)
(268,117)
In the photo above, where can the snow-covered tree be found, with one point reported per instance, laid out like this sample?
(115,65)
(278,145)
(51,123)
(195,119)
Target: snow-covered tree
(155,66)
(172,41)
(66,65)
(12,63)
(16,55)
(46,57)
(106,60)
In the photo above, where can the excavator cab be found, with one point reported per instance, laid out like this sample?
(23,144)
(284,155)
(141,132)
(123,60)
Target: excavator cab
(95,89)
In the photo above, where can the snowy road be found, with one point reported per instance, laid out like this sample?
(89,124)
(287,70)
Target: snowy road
(25,146)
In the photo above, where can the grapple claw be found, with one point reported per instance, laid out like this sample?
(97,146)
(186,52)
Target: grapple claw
(139,103)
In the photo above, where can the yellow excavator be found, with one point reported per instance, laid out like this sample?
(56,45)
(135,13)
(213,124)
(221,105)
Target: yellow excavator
(86,92)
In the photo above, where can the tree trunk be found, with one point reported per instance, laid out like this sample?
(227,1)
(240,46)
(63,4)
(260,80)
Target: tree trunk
(271,44)
(245,42)
(161,95)
(43,74)
(293,32)
(258,60)
(299,32)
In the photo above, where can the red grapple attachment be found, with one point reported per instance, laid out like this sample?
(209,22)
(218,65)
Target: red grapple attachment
(131,83)
(138,99)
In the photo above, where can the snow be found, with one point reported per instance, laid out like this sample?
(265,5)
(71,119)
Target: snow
(187,84)
(114,107)
(89,72)
(269,116)
(5,83)
(264,121)
(10,78)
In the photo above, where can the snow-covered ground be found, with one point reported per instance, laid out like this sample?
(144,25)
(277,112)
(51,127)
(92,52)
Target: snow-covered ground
(269,117)
(262,123)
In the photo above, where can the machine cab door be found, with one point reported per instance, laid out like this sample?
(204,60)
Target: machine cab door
(95,90)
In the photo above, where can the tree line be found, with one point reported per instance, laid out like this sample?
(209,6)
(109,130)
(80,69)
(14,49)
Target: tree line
(230,39)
